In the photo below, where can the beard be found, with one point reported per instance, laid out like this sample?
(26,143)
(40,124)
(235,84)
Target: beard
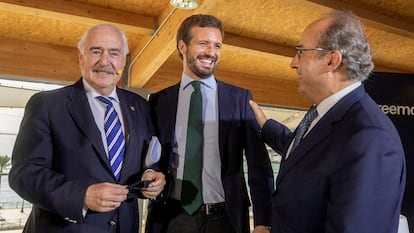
(192,64)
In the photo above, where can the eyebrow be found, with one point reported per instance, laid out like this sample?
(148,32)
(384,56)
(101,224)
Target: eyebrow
(101,48)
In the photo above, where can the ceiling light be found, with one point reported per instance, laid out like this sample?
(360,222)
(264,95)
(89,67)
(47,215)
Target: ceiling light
(184,4)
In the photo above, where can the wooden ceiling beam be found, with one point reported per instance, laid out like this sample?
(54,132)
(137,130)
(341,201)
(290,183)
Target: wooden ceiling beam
(45,62)
(274,91)
(370,18)
(41,61)
(81,13)
(275,49)
(258,45)
(148,60)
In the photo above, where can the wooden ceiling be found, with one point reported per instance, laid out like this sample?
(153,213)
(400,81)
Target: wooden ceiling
(38,39)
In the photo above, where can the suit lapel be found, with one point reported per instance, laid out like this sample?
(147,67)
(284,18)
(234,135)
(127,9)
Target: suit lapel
(127,109)
(319,132)
(226,101)
(80,110)
(166,118)
(169,108)
(225,106)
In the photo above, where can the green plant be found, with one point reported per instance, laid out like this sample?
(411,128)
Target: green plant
(4,162)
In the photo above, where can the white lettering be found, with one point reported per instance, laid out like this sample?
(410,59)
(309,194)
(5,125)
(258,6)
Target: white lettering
(397,110)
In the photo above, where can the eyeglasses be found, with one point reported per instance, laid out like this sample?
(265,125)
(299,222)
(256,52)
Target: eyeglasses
(300,50)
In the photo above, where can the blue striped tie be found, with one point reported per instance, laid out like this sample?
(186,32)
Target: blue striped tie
(114,136)
(304,125)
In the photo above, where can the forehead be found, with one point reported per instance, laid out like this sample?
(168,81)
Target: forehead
(313,32)
(207,33)
(105,37)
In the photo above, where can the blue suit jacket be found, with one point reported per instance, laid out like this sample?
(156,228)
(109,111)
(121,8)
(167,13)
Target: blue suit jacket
(238,132)
(59,152)
(347,175)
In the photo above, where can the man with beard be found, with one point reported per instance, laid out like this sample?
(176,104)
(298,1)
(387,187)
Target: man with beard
(214,197)
(64,164)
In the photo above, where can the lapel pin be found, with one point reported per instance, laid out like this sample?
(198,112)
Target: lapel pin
(132,108)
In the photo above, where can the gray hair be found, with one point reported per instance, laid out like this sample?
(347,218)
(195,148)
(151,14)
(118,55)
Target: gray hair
(347,35)
(82,41)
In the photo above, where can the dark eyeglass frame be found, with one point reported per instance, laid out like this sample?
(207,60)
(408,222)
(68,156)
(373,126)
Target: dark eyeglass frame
(300,50)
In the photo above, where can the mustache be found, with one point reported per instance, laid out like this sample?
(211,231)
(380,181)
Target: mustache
(106,69)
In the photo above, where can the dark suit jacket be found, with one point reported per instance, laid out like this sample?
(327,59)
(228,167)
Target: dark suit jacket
(347,175)
(238,131)
(59,152)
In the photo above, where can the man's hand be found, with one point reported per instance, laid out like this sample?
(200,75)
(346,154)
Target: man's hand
(156,186)
(105,197)
(258,113)
(261,229)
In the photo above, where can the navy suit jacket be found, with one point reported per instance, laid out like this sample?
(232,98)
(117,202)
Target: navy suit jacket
(59,152)
(238,133)
(347,175)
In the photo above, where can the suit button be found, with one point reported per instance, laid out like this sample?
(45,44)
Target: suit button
(70,220)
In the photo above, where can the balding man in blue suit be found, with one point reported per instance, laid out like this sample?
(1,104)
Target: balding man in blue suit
(347,174)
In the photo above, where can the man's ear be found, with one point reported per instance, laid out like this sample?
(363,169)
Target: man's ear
(181,46)
(334,60)
(79,54)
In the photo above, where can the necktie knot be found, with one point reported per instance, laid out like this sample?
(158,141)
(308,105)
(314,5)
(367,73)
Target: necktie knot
(105,100)
(304,125)
(311,114)
(196,85)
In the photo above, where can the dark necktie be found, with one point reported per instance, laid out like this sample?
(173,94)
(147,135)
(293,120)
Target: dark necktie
(114,136)
(304,125)
(191,192)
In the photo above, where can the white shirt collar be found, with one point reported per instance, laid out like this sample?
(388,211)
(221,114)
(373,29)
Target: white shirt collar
(324,106)
(90,89)
(209,82)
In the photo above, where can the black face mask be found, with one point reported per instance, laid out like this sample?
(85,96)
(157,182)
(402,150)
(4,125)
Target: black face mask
(135,188)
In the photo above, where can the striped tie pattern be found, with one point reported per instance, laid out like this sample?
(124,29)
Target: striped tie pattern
(304,125)
(114,136)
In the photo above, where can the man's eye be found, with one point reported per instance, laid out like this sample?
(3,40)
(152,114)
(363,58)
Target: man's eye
(96,52)
(115,53)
